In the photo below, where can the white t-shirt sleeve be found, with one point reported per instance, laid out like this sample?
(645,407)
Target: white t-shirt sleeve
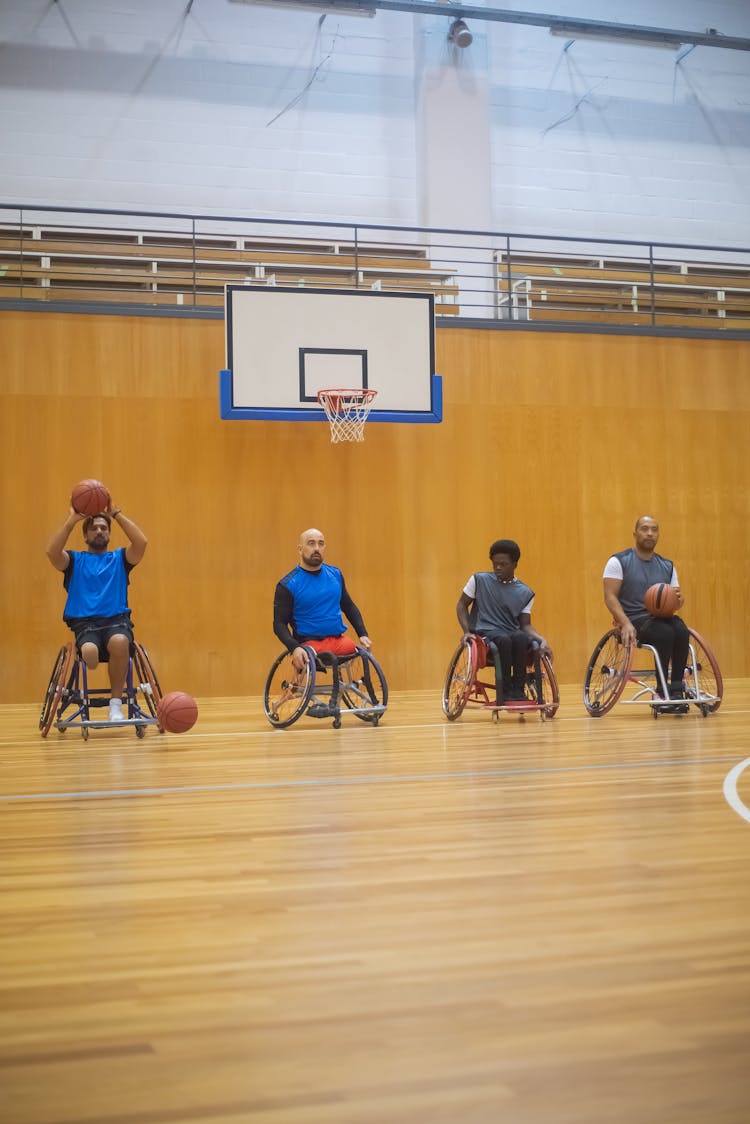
(613,569)
(470,589)
(527,608)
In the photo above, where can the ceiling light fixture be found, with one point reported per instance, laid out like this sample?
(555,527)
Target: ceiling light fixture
(326,7)
(459,34)
(643,37)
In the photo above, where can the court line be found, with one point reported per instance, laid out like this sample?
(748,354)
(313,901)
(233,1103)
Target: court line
(730,790)
(271,731)
(322,782)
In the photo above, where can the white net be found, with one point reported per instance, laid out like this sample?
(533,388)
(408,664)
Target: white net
(347,412)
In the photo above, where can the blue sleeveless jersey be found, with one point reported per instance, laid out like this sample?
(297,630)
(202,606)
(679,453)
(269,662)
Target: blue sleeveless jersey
(97,584)
(317,601)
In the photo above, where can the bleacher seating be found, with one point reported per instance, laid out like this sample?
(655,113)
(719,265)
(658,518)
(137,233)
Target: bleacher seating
(559,287)
(184,269)
(152,268)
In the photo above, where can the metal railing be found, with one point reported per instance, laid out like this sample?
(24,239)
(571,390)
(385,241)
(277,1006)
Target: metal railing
(150,259)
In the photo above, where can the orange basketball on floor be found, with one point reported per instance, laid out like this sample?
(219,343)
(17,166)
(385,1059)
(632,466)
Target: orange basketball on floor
(177,712)
(89,497)
(662,600)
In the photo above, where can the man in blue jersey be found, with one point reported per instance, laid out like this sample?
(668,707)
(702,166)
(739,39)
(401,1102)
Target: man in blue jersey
(497,607)
(309,603)
(627,576)
(96,581)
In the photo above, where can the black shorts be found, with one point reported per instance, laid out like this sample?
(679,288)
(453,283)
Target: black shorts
(98,630)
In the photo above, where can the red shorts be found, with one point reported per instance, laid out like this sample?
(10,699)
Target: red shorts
(338,645)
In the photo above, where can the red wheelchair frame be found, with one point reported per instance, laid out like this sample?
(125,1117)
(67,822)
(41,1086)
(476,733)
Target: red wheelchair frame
(465,686)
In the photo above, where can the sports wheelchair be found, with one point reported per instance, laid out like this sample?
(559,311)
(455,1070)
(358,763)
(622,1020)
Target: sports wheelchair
(356,681)
(465,685)
(611,669)
(69,700)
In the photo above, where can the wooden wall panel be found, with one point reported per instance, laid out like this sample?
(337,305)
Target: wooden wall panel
(557,440)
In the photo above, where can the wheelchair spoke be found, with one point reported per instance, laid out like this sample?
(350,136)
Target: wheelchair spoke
(144,679)
(606,674)
(703,682)
(287,690)
(550,693)
(58,688)
(458,681)
(363,687)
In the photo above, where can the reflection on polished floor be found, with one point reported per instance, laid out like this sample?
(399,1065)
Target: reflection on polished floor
(532,922)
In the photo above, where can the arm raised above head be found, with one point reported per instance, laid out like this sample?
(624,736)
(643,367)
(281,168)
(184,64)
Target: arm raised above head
(56,551)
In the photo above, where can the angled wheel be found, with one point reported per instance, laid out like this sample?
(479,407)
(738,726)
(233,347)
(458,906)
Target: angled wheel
(145,682)
(703,670)
(287,691)
(459,680)
(541,686)
(607,674)
(363,687)
(57,687)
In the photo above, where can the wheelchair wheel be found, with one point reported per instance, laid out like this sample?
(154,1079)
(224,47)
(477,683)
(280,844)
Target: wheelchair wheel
(58,683)
(287,691)
(459,680)
(541,687)
(705,670)
(144,680)
(363,687)
(607,674)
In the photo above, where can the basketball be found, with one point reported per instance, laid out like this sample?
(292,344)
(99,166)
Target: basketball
(89,497)
(177,712)
(661,600)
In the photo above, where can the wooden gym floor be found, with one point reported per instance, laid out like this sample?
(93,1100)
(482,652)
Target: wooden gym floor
(532,923)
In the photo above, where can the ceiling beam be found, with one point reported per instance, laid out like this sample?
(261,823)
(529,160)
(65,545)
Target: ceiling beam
(567,26)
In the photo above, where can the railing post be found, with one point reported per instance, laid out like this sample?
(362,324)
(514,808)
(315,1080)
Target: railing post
(20,243)
(195,266)
(651,281)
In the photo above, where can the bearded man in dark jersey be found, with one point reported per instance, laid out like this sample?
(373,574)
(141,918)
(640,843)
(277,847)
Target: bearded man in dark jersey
(497,607)
(627,576)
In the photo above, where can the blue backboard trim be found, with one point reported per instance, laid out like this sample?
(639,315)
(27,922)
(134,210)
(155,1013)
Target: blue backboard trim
(229,412)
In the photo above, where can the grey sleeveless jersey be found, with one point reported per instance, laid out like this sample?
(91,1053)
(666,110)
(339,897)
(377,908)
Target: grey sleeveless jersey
(498,605)
(637,576)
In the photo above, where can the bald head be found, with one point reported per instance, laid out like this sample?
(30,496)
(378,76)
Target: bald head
(311,549)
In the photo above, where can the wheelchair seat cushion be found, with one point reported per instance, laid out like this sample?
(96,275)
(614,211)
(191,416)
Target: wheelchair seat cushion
(335,645)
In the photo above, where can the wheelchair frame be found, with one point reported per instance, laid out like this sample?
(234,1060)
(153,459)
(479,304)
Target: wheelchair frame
(68,690)
(464,688)
(360,686)
(610,670)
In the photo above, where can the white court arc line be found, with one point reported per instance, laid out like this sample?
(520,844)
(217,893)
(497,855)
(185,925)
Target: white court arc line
(730,790)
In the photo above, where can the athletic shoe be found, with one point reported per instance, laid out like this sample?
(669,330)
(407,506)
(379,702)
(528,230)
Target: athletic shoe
(676,692)
(320,710)
(115,710)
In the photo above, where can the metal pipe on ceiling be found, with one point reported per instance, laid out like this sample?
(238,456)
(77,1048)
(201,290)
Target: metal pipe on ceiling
(567,26)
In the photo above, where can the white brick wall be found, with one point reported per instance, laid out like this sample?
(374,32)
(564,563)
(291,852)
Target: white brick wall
(125,103)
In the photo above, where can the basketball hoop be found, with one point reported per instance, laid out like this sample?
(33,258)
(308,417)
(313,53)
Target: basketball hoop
(347,412)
